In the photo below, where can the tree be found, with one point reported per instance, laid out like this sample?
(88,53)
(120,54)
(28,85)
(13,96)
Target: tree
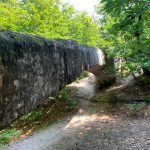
(126,23)
(50,19)
(84,29)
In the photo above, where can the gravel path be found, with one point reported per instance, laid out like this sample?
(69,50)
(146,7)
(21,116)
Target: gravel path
(95,127)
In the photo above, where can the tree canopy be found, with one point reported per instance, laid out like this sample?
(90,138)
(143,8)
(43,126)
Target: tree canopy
(125,30)
(122,31)
(50,19)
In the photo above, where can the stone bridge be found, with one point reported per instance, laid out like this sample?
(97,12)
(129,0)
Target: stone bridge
(33,68)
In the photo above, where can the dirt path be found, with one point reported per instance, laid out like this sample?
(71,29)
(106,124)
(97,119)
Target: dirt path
(97,126)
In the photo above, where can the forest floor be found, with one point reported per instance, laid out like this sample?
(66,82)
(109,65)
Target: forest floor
(100,123)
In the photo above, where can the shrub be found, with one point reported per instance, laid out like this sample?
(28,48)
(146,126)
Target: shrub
(69,102)
(7,134)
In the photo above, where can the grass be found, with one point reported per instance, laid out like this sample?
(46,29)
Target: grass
(49,113)
(32,116)
(136,107)
(83,75)
(69,102)
(7,134)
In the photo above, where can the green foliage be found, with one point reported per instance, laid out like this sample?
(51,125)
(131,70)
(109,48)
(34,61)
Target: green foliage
(147,100)
(69,102)
(136,107)
(48,18)
(7,134)
(32,116)
(83,75)
(126,31)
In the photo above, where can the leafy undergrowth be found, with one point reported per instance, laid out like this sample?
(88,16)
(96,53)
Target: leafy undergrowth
(83,75)
(49,113)
(134,102)
(139,90)
(141,87)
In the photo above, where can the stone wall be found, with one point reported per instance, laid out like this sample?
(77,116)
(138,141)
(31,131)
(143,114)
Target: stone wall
(34,68)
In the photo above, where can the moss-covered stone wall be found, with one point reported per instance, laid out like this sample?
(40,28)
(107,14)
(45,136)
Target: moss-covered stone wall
(34,68)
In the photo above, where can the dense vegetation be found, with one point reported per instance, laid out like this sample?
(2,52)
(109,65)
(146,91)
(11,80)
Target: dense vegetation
(48,18)
(125,30)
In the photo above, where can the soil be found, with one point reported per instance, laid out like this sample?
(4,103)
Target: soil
(102,124)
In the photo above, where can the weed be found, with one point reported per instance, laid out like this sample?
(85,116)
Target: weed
(83,75)
(146,99)
(69,102)
(136,107)
(32,116)
(7,134)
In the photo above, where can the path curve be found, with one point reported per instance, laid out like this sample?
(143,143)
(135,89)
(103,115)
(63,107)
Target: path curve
(92,128)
